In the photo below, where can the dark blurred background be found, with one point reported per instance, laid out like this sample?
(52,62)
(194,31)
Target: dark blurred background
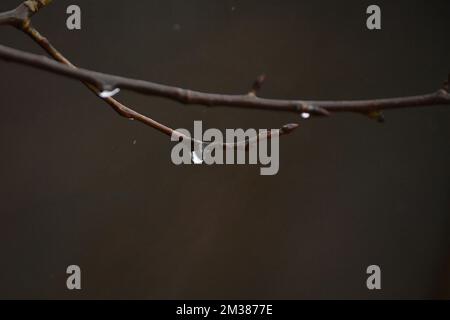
(81,185)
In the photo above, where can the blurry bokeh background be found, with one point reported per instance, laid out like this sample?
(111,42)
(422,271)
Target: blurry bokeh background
(81,185)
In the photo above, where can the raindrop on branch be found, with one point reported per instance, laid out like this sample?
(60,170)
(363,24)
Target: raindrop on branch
(305,115)
(108,94)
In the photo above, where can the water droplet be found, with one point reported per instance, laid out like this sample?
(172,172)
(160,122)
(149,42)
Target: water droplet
(195,158)
(134,141)
(176,27)
(233,8)
(108,94)
(305,115)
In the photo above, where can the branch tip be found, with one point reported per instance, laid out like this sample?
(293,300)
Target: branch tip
(257,85)
(377,116)
(288,128)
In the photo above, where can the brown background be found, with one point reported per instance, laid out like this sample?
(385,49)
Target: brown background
(74,189)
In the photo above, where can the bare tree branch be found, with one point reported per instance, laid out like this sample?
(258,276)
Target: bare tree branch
(20,18)
(102,84)
(109,82)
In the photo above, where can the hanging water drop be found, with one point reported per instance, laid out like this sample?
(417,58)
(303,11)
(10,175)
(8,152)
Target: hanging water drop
(108,94)
(305,115)
(196,159)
